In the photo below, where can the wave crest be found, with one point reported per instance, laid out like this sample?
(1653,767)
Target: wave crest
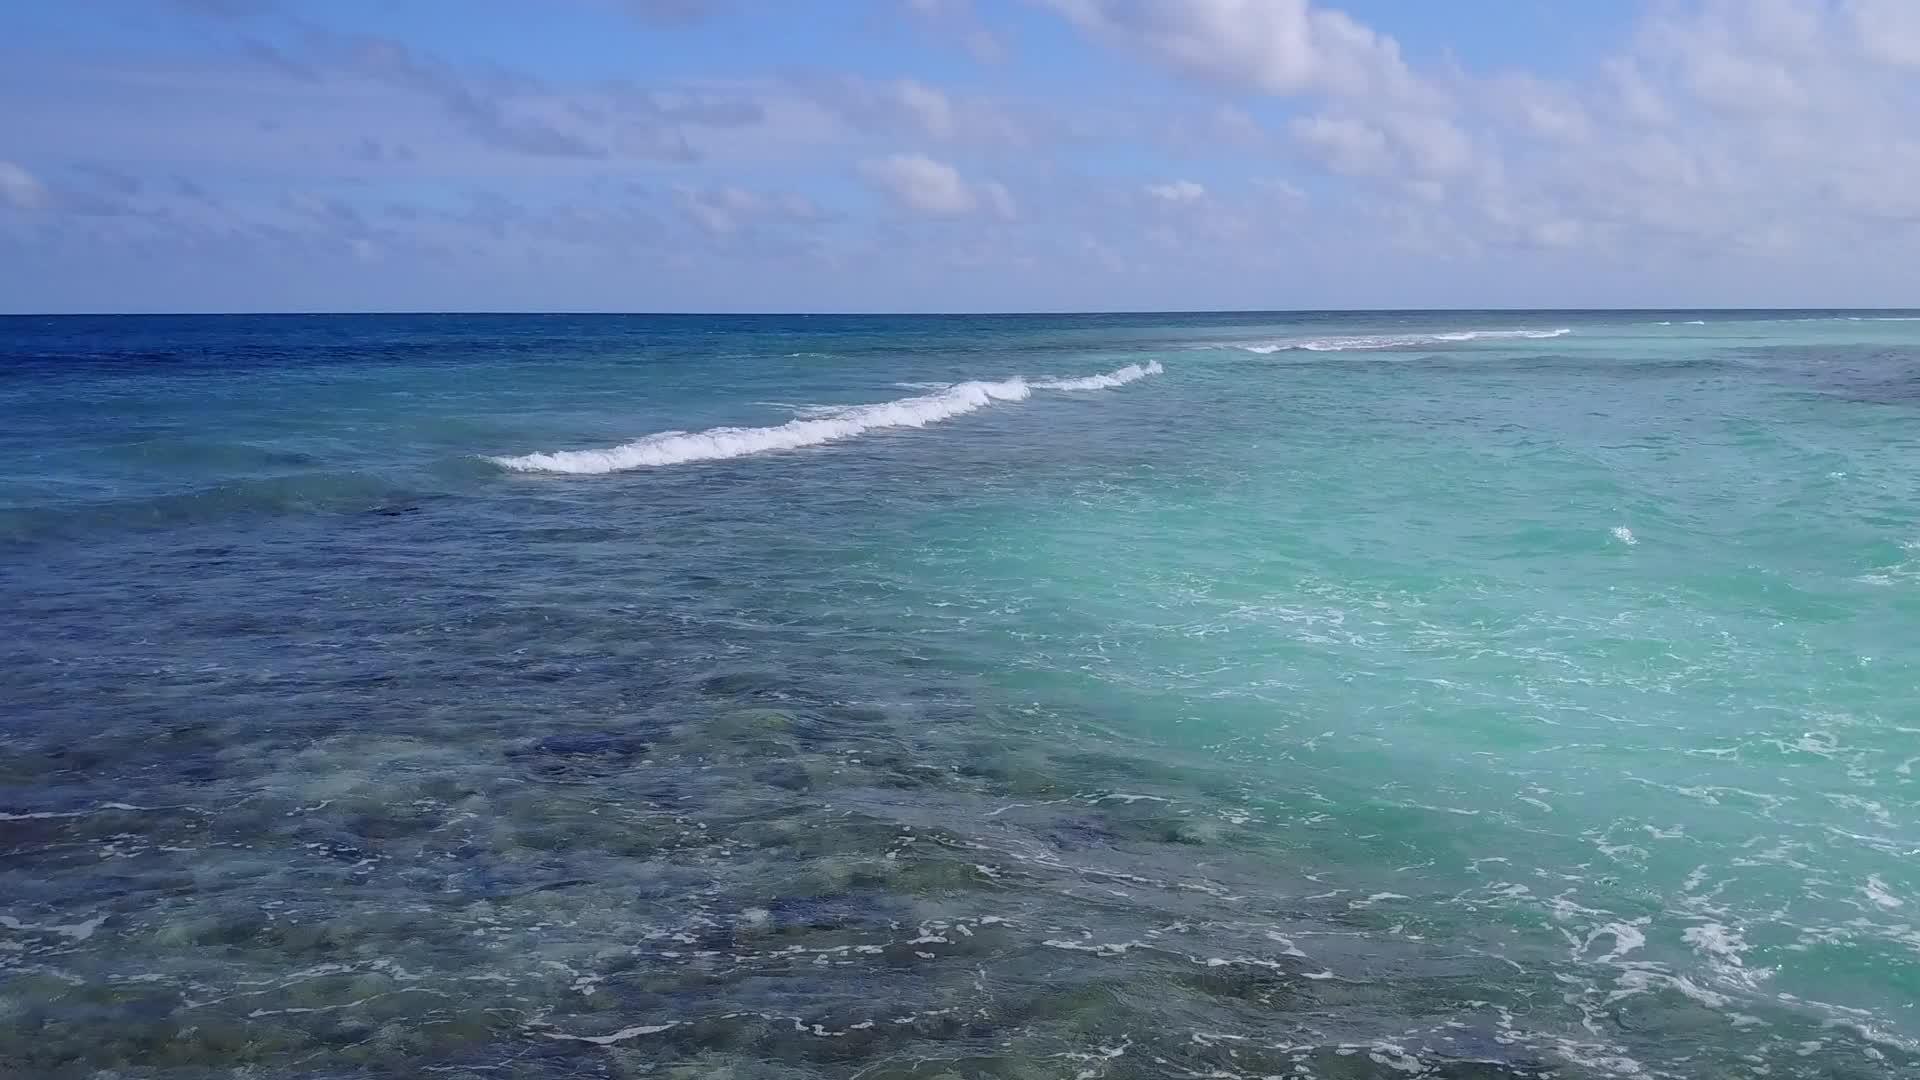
(1396,341)
(1130,373)
(713,444)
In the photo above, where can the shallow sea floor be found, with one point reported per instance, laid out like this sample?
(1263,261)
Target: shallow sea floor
(1449,695)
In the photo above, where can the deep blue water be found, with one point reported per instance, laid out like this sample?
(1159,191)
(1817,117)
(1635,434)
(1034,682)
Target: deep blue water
(1267,694)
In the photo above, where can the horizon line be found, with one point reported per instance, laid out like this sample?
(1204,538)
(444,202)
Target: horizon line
(1033,313)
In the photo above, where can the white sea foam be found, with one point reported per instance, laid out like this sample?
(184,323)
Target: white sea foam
(1130,373)
(1716,941)
(617,1037)
(79,931)
(1626,938)
(1624,535)
(1876,891)
(830,425)
(1397,341)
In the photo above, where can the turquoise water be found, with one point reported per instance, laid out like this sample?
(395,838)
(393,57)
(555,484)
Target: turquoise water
(1344,695)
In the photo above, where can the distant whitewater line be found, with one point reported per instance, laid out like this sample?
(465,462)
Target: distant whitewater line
(679,447)
(1396,341)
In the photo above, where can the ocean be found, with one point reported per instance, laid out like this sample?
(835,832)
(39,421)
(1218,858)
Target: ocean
(1461,694)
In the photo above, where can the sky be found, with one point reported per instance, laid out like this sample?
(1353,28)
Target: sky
(956,155)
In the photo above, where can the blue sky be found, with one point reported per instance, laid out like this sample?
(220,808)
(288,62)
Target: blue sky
(923,155)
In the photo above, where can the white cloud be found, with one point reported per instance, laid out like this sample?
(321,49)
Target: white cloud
(1272,46)
(1632,90)
(913,108)
(723,211)
(1344,144)
(1718,120)
(1388,120)
(935,188)
(19,188)
(1889,30)
(1725,119)
(1738,82)
(929,107)
(919,182)
(1539,108)
(1285,192)
(1559,233)
(956,19)
(1178,191)
(1433,144)
(1744,138)
(1235,127)
(997,199)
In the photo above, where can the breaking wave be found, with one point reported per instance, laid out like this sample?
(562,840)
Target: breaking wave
(1130,373)
(831,425)
(1396,341)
